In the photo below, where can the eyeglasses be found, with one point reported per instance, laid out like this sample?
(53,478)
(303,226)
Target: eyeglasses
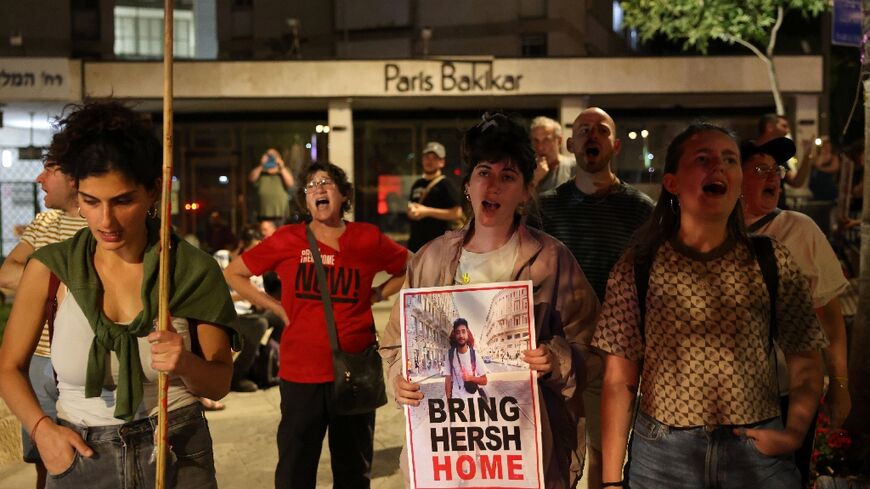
(323,182)
(765,171)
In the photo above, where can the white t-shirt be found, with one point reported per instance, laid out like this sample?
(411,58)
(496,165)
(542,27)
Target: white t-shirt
(461,364)
(811,251)
(69,356)
(492,266)
(815,258)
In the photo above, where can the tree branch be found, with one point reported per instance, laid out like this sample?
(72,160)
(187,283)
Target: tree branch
(773,32)
(751,47)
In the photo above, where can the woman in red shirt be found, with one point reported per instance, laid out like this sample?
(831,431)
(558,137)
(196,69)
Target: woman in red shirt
(353,253)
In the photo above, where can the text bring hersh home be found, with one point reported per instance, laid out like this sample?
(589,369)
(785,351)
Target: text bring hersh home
(453,76)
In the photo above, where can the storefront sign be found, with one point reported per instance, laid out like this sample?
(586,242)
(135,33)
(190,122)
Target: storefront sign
(451,77)
(39,79)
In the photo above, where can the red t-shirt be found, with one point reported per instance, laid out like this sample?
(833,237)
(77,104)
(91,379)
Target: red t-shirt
(365,251)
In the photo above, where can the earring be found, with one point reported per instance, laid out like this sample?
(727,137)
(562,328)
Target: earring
(467,197)
(80,213)
(152,212)
(675,209)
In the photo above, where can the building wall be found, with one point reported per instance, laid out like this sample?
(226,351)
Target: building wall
(44,27)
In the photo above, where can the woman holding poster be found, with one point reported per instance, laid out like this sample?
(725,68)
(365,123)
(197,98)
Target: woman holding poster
(496,246)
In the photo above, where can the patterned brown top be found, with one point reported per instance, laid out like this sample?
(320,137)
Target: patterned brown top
(705,360)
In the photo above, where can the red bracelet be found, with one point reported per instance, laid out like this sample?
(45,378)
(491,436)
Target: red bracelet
(33,431)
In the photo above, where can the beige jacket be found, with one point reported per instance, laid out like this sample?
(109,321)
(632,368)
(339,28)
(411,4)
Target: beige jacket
(565,310)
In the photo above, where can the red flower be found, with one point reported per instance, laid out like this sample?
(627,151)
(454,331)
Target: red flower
(839,439)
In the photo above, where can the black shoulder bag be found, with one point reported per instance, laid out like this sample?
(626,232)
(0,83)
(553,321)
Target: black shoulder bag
(359,377)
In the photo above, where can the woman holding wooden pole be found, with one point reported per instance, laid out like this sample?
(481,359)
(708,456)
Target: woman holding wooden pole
(104,349)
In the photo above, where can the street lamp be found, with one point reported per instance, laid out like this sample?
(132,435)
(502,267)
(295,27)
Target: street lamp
(647,157)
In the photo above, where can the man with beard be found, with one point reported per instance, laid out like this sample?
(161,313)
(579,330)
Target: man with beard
(553,168)
(434,202)
(464,371)
(62,221)
(595,215)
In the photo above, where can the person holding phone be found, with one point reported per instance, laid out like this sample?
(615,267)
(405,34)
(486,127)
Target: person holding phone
(272,182)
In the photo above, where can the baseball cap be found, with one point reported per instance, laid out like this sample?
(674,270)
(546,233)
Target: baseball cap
(781,149)
(437,148)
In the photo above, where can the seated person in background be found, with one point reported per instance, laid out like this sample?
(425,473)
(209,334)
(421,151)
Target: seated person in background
(250,323)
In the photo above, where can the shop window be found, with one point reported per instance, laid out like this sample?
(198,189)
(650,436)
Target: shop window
(533,45)
(139,32)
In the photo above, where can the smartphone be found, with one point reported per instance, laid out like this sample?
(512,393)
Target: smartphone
(270,163)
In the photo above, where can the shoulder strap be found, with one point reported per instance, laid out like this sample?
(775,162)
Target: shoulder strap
(755,226)
(51,305)
(763,248)
(430,186)
(324,290)
(641,283)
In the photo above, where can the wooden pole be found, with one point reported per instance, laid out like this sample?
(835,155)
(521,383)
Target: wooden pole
(165,214)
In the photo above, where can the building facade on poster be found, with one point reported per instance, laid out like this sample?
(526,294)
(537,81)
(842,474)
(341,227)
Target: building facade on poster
(505,332)
(428,321)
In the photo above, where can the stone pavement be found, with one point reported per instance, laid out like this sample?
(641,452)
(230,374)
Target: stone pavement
(244,442)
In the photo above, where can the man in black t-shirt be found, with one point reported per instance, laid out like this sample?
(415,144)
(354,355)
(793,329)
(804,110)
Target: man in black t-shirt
(434,203)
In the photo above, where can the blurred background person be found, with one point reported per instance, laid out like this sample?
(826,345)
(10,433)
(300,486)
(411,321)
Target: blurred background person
(763,167)
(553,168)
(61,222)
(272,182)
(434,204)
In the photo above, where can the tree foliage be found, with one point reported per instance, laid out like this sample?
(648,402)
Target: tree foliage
(696,23)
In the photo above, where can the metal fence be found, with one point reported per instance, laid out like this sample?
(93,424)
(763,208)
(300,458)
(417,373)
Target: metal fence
(19,204)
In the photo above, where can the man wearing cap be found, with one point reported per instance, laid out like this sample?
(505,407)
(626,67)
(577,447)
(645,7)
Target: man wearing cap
(774,126)
(763,168)
(434,202)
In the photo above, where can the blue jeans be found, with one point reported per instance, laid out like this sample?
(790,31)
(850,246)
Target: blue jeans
(41,376)
(123,455)
(704,457)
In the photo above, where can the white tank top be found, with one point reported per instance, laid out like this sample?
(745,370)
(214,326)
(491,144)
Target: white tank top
(69,356)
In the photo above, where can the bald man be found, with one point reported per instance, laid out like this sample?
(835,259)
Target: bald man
(595,215)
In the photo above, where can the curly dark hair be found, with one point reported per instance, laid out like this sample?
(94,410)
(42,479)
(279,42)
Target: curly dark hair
(495,138)
(336,174)
(99,137)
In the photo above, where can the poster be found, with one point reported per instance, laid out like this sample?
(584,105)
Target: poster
(478,423)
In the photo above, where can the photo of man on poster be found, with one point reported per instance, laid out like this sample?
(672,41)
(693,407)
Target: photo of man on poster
(464,372)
